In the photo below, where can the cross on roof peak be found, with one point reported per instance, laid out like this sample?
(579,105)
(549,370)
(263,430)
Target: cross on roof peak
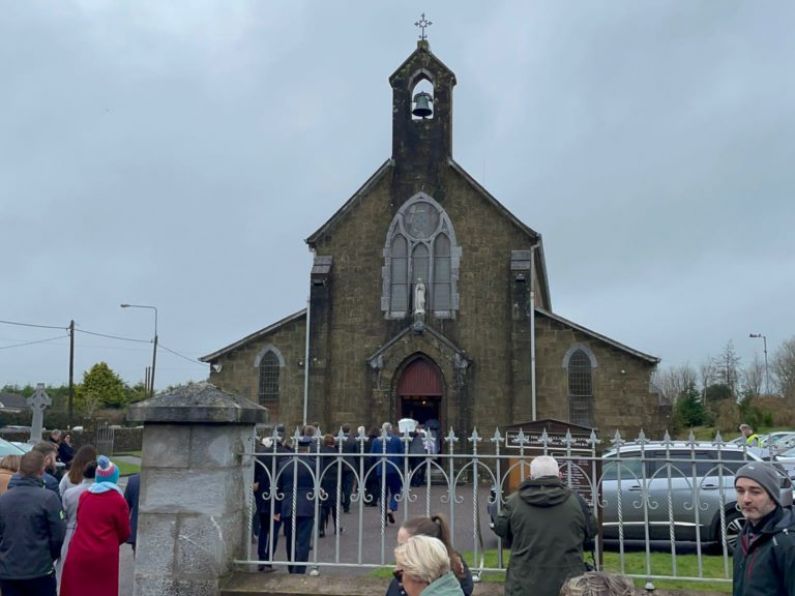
(423,24)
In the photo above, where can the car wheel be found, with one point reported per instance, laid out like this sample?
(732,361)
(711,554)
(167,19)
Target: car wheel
(734,525)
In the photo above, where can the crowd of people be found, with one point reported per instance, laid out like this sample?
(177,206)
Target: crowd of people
(342,461)
(62,536)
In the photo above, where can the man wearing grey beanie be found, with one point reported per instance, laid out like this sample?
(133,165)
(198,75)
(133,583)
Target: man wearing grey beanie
(764,558)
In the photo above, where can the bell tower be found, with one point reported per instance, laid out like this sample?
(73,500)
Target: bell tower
(422,111)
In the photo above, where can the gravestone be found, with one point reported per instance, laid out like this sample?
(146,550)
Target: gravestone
(38,402)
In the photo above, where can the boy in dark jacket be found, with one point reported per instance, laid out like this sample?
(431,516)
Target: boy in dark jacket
(32,530)
(764,558)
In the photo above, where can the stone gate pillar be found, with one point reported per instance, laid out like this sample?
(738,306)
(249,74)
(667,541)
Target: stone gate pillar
(193,516)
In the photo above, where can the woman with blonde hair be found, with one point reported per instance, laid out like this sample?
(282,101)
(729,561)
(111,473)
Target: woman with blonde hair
(422,567)
(9,466)
(435,527)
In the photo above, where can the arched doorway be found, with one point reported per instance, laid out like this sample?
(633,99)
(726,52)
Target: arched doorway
(419,392)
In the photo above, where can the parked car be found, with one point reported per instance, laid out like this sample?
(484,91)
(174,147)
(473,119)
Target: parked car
(9,448)
(780,441)
(704,469)
(786,459)
(674,474)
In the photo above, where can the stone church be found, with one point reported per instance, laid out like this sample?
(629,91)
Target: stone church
(430,300)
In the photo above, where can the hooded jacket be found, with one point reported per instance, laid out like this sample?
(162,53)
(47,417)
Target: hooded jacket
(545,525)
(32,529)
(764,558)
(447,585)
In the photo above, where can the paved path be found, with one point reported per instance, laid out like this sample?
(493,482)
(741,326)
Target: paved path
(377,541)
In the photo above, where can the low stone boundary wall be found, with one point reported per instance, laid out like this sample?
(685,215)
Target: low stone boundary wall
(281,584)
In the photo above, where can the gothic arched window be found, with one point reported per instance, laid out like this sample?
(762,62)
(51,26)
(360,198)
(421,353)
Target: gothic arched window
(399,260)
(269,368)
(580,381)
(420,246)
(442,280)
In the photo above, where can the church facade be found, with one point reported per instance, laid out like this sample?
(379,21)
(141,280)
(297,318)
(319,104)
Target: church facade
(430,300)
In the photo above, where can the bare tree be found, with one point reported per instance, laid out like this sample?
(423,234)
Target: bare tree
(674,380)
(706,371)
(754,377)
(727,367)
(784,367)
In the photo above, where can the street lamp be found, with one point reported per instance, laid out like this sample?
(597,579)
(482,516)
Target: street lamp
(154,350)
(767,374)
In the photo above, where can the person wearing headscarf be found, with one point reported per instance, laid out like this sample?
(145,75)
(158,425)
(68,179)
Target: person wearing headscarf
(103,524)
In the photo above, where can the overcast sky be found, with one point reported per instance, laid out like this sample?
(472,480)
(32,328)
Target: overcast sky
(177,154)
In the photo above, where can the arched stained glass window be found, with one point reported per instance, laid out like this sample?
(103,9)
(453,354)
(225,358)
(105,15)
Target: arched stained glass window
(580,381)
(399,291)
(269,379)
(420,244)
(420,264)
(442,274)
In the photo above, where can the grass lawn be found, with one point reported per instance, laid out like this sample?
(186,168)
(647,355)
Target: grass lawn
(126,469)
(634,563)
(133,453)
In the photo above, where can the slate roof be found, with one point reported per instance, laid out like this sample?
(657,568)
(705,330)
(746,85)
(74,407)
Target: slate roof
(598,336)
(12,401)
(257,334)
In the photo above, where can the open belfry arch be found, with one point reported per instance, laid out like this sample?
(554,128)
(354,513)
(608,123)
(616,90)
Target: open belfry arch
(430,299)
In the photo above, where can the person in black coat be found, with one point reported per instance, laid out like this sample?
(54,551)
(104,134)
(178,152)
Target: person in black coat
(297,515)
(131,492)
(32,530)
(270,454)
(66,453)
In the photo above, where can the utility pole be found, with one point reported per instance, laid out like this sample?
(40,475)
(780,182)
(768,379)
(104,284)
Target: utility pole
(71,372)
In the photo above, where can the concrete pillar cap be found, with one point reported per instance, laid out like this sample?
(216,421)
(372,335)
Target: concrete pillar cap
(197,403)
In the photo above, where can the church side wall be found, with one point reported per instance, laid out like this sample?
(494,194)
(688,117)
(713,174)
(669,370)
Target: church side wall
(620,383)
(239,375)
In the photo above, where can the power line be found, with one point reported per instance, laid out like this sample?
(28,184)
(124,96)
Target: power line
(30,343)
(188,358)
(119,337)
(17,323)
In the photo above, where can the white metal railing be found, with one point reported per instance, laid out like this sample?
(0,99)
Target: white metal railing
(679,493)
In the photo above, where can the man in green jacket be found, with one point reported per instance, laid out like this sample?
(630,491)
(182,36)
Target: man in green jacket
(546,525)
(764,558)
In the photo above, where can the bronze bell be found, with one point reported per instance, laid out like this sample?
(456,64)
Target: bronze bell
(422,105)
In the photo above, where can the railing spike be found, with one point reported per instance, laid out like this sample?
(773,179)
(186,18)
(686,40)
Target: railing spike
(691,438)
(497,437)
(567,439)
(617,441)
(593,440)
(666,438)
(544,439)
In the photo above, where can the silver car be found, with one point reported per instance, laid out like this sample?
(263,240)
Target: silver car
(677,486)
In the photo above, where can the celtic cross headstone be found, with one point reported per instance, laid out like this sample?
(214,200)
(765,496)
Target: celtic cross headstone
(38,402)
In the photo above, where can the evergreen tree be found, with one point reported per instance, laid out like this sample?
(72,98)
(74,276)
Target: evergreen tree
(689,409)
(101,387)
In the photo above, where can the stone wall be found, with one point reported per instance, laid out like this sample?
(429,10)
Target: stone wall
(622,399)
(239,375)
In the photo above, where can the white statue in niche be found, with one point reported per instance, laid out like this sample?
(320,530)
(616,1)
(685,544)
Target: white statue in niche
(419,297)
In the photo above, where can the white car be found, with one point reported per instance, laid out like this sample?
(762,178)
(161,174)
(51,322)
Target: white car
(780,441)
(787,460)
